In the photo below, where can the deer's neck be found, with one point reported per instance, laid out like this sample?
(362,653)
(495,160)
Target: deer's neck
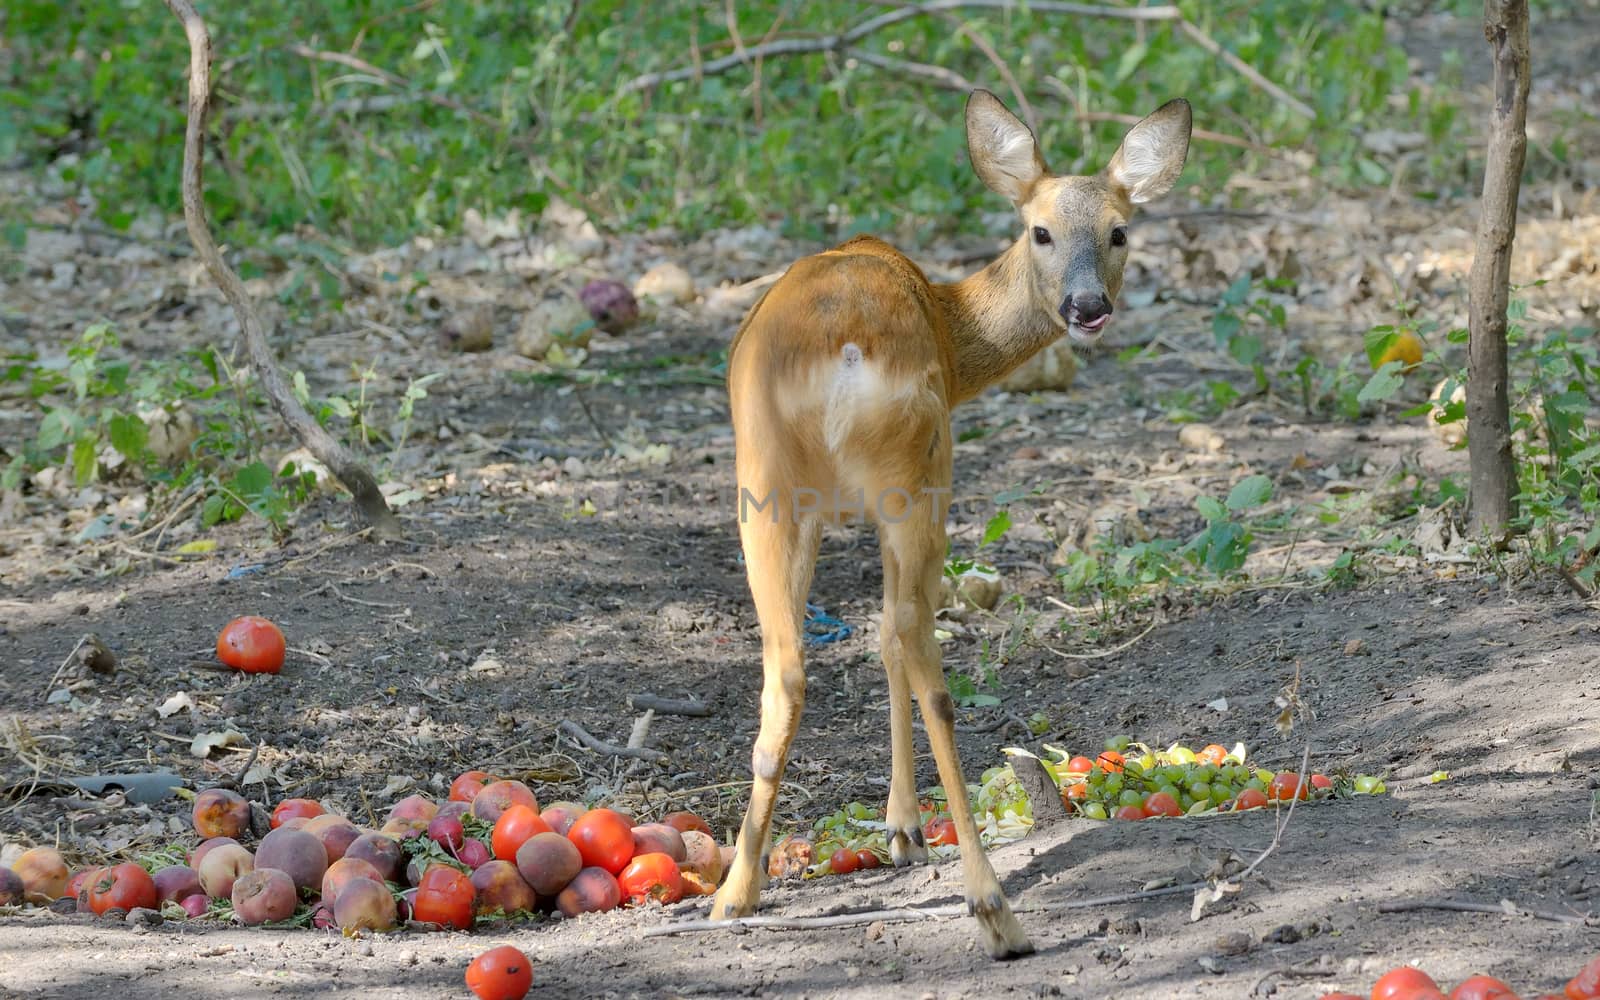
(994,323)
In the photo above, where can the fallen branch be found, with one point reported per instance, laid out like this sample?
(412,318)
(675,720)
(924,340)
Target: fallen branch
(669,706)
(1505,908)
(339,459)
(1103,653)
(845,40)
(592,742)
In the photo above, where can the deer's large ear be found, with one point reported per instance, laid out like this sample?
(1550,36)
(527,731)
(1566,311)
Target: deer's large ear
(1151,156)
(1003,151)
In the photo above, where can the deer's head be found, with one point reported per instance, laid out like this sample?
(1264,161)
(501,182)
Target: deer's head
(1076,228)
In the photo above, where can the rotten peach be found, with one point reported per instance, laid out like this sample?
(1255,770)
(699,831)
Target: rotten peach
(548,861)
(335,832)
(500,887)
(263,896)
(342,872)
(176,882)
(44,874)
(382,851)
(560,816)
(498,796)
(658,838)
(221,812)
(365,905)
(222,867)
(591,891)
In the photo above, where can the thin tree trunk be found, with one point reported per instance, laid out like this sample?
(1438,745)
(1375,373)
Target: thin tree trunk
(339,459)
(1494,473)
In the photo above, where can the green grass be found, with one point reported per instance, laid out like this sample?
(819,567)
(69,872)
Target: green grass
(92,93)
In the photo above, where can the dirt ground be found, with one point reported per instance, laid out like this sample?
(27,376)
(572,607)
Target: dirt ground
(559,561)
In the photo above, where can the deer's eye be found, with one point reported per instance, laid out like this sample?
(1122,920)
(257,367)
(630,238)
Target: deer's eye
(1041,236)
(1119,236)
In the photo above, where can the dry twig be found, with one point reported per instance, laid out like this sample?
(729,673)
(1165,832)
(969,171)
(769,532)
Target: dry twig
(1505,908)
(592,742)
(340,460)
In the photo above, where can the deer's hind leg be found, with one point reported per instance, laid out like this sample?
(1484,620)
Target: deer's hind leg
(779,558)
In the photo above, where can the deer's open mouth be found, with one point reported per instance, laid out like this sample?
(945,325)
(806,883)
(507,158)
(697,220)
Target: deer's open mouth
(1087,330)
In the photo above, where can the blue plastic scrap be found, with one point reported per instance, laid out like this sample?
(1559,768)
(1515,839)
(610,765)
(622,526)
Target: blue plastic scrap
(822,628)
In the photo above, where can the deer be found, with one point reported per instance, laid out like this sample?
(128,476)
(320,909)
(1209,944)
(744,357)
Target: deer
(841,379)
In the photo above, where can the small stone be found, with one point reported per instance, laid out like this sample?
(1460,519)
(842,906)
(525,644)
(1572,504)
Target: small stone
(140,918)
(1200,437)
(1210,965)
(1355,647)
(66,904)
(875,930)
(468,330)
(407,957)
(1234,943)
(1283,934)
(666,282)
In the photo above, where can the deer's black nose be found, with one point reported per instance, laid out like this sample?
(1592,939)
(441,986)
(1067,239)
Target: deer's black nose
(1085,307)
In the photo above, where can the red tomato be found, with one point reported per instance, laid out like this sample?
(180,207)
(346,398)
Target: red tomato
(604,838)
(1403,983)
(515,826)
(466,788)
(123,887)
(444,896)
(1481,988)
(502,973)
(1286,786)
(1080,765)
(1110,761)
(1321,782)
(1212,754)
(290,808)
(866,859)
(940,832)
(1129,812)
(251,644)
(1586,984)
(651,876)
(843,861)
(1162,804)
(1250,798)
(1075,792)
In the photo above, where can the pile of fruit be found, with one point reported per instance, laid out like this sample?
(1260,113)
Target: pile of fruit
(487,852)
(1410,983)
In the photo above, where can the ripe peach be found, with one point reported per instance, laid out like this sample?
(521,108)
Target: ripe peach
(222,867)
(176,882)
(196,905)
(560,816)
(701,856)
(44,875)
(342,872)
(335,832)
(500,887)
(265,895)
(198,855)
(290,808)
(382,851)
(453,810)
(11,888)
(468,784)
(404,829)
(658,838)
(592,890)
(548,861)
(220,812)
(365,905)
(498,796)
(296,853)
(683,822)
(414,807)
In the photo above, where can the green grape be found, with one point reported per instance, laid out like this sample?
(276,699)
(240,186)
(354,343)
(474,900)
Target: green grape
(1097,776)
(1185,800)
(1129,797)
(1200,789)
(1221,794)
(1206,772)
(1133,769)
(1114,784)
(1172,774)
(1094,810)
(1171,790)
(1257,784)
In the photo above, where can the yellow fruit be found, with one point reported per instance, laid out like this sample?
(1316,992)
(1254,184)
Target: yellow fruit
(1406,348)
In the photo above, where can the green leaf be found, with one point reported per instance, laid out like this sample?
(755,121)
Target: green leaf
(84,463)
(1251,491)
(1210,509)
(252,480)
(1132,56)
(128,435)
(996,528)
(56,428)
(1377,341)
(1385,382)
